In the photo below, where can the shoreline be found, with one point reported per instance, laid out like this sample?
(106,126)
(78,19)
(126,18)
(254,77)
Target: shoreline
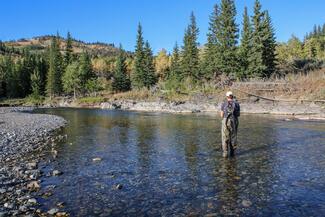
(23,139)
(301,111)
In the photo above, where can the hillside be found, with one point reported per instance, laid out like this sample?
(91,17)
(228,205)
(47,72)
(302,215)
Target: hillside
(41,43)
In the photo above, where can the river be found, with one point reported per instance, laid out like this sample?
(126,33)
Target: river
(159,164)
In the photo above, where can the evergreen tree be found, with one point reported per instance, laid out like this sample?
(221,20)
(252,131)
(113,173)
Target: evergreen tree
(25,71)
(12,80)
(175,66)
(71,79)
(121,80)
(68,50)
(256,64)
(211,57)
(139,68)
(227,37)
(269,45)
(150,77)
(190,52)
(54,83)
(85,71)
(36,83)
(245,46)
(42,67)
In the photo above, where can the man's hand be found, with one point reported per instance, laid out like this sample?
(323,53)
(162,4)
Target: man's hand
(221,114)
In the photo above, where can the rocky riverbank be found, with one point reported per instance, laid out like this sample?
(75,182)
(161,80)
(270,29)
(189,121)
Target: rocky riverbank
(23,136)
(297,110)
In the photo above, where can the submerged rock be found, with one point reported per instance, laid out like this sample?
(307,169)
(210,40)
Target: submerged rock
(33,186)
(56,173)
(246,203)
(96,159)
(53,211)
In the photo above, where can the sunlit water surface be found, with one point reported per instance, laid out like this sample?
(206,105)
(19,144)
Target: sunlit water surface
(171,164)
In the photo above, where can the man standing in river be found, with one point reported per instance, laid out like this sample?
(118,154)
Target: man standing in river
(230,111)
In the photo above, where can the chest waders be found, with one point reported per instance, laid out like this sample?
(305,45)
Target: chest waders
(230,125)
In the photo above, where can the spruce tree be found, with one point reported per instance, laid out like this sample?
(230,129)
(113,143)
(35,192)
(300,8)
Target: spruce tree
(190,51)
(269,45)
(12,77)
(121,80)
(211,57)
(150,77)
(85,71)
(245,47)
(175,67)
(68,50)
(139,68)
(36,83)
(54,82)
(228,38)
(256,66)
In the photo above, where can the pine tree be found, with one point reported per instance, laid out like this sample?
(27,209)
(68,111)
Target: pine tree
(150,77)
(138,70)
(121,80)
(269,45)
(68,50)
(28,64)
(42,67)
(54,82)
(12,77)
(256,64)
(211,57)
(245,47)
(175,67)
(85,71)
(190,52)
(228,38)
(36,83)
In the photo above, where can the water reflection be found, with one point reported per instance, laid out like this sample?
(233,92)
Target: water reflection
(172,165)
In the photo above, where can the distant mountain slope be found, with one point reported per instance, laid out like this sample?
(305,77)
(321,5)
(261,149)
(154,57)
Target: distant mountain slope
(41,43)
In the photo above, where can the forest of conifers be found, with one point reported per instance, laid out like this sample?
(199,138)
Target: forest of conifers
(250,53)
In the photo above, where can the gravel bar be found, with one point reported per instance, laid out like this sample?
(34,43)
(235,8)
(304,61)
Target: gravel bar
(23,136)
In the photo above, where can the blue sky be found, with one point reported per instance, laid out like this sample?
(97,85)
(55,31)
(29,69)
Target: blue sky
(163,21)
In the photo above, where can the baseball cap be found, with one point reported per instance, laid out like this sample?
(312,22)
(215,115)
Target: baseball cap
(229,93)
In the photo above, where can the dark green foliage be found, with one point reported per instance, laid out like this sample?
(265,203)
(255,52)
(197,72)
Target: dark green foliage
(121,80)
(68,50)
(12,77)
(54,82)
(211,59)
(175,66)
(245,47)
(150,77)
(256,64)
(138,71)
(144,70)
(36,83)
(86,72)
(269,44)
(228,38)
(25,69)
(262,60)
(190,51)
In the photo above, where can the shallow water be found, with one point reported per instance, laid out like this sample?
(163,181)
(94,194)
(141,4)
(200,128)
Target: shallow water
(171,164)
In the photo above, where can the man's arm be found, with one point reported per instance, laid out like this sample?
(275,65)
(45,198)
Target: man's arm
(221,110)
(238,110)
